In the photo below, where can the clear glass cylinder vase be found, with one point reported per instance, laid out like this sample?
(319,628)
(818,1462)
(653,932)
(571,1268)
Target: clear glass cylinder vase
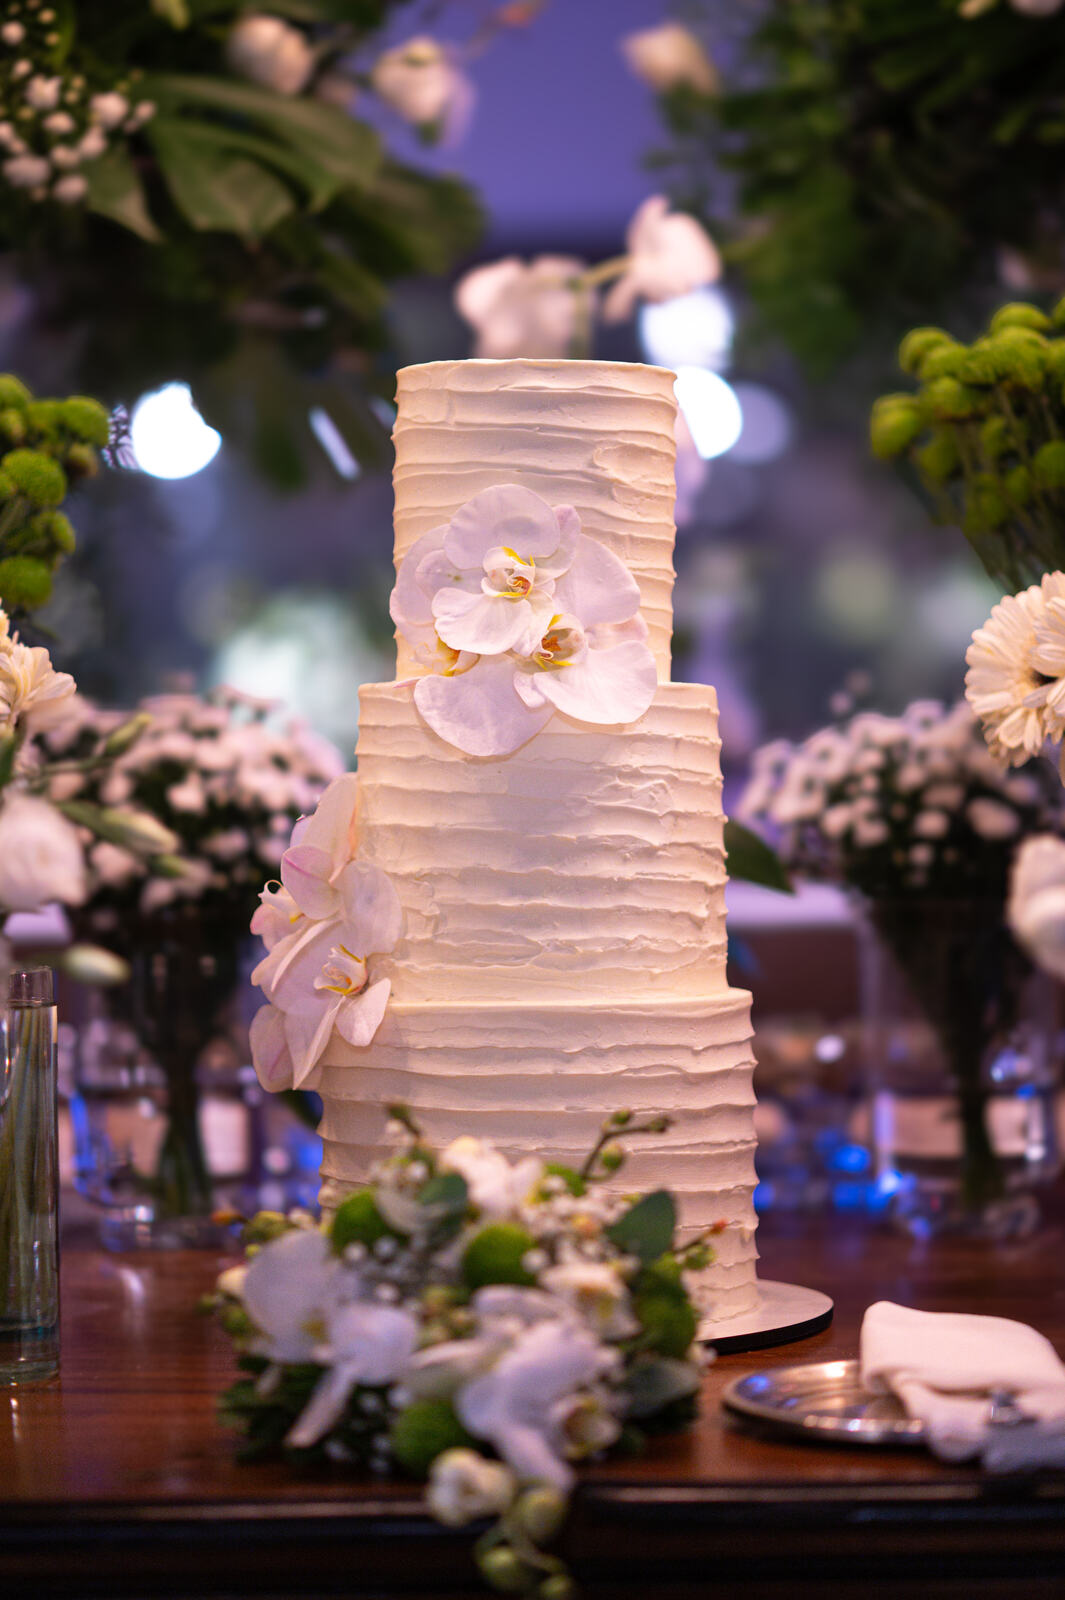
(29,1180)
(962,1068)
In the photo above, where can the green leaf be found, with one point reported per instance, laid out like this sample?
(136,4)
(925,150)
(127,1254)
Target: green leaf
(217,191)
(319,184)
(176,12)
(347,149)
(750,858)
(447,1193)
(646,1229)
(653,1385)
(116,192)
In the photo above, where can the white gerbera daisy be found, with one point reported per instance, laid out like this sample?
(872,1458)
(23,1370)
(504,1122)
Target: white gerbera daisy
(1048,653)
(1002,685)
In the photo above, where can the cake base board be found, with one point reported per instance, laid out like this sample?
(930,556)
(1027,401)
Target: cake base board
(785,1312)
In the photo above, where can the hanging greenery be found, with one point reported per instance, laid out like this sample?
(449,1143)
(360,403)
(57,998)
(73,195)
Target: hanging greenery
(185,187)
(865,161)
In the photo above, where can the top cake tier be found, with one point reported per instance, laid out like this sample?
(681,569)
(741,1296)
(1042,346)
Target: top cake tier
(597,435)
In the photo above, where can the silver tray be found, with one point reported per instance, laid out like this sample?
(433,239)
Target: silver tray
(822,1401)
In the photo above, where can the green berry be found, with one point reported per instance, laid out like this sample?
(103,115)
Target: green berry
(87,419)
(668,1321)
(951,400)
(13,392)
(938,459)
(358,1221)
(263,1227)
(1018,483)
(994,437)
(36,476)
(25,583)
(572,1179)
(12,425)
(423,1431)
(559,1586)
(896,421)
(918,344)
(501,1568)
(944,361)
(1019,315)
(612,1158)
(43,418)
(494,1255)
(1048,464)
(540,1512)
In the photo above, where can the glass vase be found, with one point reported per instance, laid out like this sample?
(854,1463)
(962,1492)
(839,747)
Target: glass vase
(962,1068)
(29,1180)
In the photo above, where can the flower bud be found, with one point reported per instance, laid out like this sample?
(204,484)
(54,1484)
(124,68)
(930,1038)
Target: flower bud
(612,1158)
(938,459)
(126,735)
(951,400)
(81,461)
(501,1568)
(1019,315)
(13,424)
(36,476)
(93,965)
(86,419)
(25,583)
(620,1119)
(945,361)
(1049,464)
(896,421)
(918,344)
(540,1512)
(13,392)
(559,1586)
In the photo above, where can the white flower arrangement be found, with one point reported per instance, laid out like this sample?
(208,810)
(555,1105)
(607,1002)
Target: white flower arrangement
(217,777)
(321,925)
(899,806)
(1016,677)
(519,615)
(482,1325)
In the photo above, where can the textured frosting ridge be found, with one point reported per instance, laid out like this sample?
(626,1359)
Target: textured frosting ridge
(597,435)
(589,862)
(539,1078)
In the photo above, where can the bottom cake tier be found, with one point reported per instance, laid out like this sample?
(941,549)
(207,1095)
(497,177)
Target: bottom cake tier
(539,1080)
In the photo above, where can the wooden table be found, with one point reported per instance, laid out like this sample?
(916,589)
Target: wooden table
(116,1480)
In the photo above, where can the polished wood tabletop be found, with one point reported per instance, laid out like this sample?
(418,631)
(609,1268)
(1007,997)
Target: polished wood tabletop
(117,1480)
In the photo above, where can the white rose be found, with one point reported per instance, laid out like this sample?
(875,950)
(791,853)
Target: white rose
(422,84)
(270,52)
(519,308)
(669,57)
(41,858)
(463,1486)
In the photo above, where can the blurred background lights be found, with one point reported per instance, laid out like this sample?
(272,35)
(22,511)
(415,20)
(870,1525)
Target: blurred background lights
(711,410)
(169,437)
(767,425)
(694,330)
(333,443)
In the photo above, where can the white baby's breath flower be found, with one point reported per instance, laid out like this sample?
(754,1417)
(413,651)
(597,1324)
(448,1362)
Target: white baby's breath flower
(112,865)
(59,123)
(64,157)
(92,143)
(188,795)
(870,832)
(12,33)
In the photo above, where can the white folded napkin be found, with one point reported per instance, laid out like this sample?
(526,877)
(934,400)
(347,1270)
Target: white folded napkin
(982,1386)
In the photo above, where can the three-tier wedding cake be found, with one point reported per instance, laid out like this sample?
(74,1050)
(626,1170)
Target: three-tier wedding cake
(560,871)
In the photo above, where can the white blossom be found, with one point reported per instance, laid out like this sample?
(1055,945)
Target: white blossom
(108,109)
(669,56)
(464,1485)
(43,93)
(423,84)
(27,172)
(519,308)
(270,52)
(41,857)
(71,189)
(669,255)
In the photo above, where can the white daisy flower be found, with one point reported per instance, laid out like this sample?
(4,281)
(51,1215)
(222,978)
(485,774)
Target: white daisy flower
(1002,684)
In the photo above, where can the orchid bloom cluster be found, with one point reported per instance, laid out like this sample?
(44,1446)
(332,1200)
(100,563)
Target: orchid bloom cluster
(547,307)
(322,924)
(1016,678)
(482,1324)
(517,614)
(52,121)
(220,781)
(898,806)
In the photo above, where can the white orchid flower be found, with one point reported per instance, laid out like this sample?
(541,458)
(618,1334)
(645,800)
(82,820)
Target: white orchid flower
(502,1309)
(422,82)
(440,1370)
(289,1289)
(464,1485)
(496,1188)
(517,1404)
(522,308)
(318,976)
(548,615)
(1036,907)
(598,1293)
(270,1053)
(669,255)
(587,1423)
(366,1343)
(313,867)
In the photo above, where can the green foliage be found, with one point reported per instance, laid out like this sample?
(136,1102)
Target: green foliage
(751,859)
(987,445)
(25,583)
(646,1229)
(37,478)
(240,239)
(358,1221)
(863,162)
(494,1255)
(423,1431)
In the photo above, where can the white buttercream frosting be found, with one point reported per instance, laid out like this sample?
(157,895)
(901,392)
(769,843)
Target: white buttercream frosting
(563,952)
(597,435)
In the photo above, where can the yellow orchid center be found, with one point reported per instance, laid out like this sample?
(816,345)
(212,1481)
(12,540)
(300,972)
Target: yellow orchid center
(559,644)
(344,973)
(508,575)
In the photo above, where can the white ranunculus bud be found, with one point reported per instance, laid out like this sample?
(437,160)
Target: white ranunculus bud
(92,144)
(59,122)
(64,157)
(271,52)
(71,189)
(43,93)
(670,57)
(12,33)
(26,172)
(109,109)
(41,859)
(464,1485)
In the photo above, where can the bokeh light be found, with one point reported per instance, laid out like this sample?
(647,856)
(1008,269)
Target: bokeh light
(767,425)
(694,330)
(711,410)
(169,437)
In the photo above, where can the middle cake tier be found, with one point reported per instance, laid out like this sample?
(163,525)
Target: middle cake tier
(590,863)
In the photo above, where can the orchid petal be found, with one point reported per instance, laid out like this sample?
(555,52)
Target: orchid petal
(324,1409)
(269,1049)
(292,1280)
(606,686)
(598,586)
(437,571)
(489,625)
(286,975)
(506,515)
(569,528)
(372,905)
(480,712)
(372,1341)
(331,824)
(359,1017)
(305,873)
(408,604)
(308,1033)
